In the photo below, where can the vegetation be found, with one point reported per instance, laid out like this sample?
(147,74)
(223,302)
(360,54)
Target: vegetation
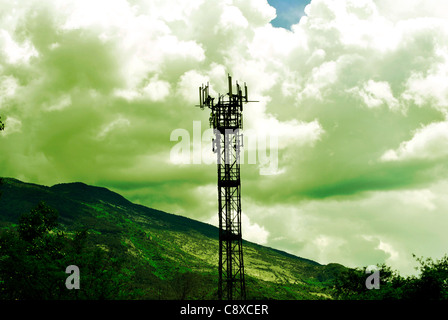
(127,251)
(34,256)
(147,254)
(35,253)
(430,284)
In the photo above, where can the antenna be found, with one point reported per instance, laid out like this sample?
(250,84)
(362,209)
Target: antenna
(204,98)
(230,85)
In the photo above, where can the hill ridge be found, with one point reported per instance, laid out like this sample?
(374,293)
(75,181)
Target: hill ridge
(166,242)
(67,190)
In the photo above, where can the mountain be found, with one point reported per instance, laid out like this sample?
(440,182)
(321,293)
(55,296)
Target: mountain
(164,251)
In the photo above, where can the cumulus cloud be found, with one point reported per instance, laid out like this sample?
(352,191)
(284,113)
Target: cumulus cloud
(375,94)
(355,92)
(429,142)
(429,87)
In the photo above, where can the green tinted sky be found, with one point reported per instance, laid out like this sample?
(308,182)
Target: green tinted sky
(356,92)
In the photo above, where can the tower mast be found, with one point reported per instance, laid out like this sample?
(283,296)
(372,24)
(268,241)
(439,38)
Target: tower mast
(227,121)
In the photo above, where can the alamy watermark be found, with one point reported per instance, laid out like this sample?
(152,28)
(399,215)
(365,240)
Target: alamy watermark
(200,147)
(72,281)
(373,281)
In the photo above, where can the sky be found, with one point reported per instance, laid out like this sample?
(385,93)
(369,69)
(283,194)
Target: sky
(354,93)
(288,12)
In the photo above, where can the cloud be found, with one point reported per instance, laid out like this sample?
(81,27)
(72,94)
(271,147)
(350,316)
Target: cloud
(251,231)
(429,88)
(415,8)
(355,92)
(155,90)
(8,87)
(386,226)
(14,125)
(375,94)
(429,142)
(58,103)
(231,17)
(15,52)
(117,124)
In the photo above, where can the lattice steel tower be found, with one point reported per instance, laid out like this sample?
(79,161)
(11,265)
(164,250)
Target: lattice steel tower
(226,119)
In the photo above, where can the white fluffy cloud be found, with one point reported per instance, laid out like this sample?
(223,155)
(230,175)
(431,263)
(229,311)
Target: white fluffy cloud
(16,52)
(375,94)
(356,93)
(429,142)
(429,87)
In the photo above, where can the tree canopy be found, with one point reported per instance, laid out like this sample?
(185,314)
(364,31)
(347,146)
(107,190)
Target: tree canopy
(430,284)
(34,256)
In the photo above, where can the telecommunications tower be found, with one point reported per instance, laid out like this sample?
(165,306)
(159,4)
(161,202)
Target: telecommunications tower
(226,118)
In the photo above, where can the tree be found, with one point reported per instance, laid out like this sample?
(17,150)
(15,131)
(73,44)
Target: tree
(433,281)
(31,257)
(184,285)
(37,222)
(35,254)
(430,284)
